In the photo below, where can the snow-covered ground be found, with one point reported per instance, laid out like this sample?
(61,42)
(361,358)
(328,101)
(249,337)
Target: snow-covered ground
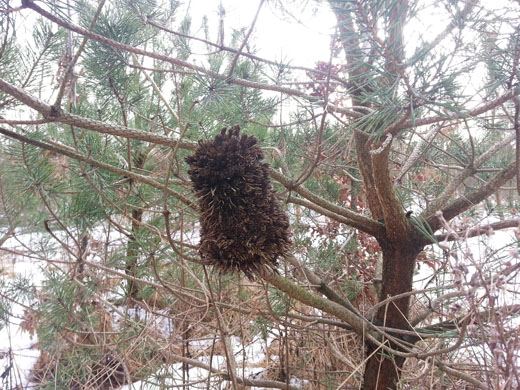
(18,345)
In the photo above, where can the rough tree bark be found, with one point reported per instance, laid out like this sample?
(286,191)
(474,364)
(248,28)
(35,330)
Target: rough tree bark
(399,242)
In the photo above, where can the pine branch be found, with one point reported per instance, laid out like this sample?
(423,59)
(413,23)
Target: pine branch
(468,171)
(466,201)
(479,230)
(184,64)
(354,219)
(481,109)
(358,324)
(68,73)
(98,164)
(51,114)
(243,54)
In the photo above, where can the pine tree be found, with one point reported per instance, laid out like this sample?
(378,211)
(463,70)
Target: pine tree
(392,154)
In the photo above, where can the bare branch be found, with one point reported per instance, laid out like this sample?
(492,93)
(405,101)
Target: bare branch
(480,230)
(483,108)
(463,203)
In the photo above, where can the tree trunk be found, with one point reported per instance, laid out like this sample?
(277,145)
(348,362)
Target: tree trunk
(133,246)
(132,254)
(382,371)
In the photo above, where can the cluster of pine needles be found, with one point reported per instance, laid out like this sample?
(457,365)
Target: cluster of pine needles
(243,227)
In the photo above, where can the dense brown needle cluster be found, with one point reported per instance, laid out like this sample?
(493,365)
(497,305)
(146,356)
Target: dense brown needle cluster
(242,225)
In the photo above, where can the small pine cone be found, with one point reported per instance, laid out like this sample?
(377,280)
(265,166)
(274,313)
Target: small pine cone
(243,227)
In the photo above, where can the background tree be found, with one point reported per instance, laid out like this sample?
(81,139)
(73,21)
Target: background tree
(396,151)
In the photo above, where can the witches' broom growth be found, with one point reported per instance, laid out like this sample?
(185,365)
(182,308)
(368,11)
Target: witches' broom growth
(242,225)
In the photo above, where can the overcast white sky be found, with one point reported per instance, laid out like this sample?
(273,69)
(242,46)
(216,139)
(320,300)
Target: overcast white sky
(300,39)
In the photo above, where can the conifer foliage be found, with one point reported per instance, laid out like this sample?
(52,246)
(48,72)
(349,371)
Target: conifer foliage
(242,225)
